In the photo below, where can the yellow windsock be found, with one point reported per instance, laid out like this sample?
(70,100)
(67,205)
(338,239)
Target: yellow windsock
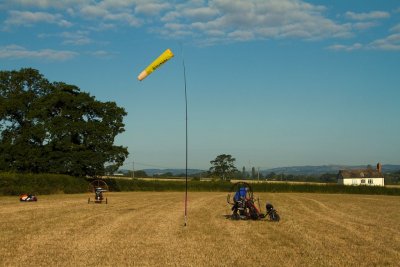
(164,57)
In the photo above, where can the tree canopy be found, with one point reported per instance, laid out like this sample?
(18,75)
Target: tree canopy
(53,127)
(223,166)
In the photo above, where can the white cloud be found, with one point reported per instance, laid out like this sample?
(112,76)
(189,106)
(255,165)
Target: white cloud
(219,20)
(94,11)
(201,13)
(46,3)
(117,3)
(205,21)
(230,20)
(27,18)
(16,52)
(174,26)
(124,17)
(102,27)
(367,16)
(390,43)
(396,28)
(364,25)
(76,38)
(103,12)
(339,47)
(151,8)
(102,54)
(241,35)
(70,38)
(170,16)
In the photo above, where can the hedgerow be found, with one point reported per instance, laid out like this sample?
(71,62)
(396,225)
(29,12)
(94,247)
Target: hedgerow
(18,183)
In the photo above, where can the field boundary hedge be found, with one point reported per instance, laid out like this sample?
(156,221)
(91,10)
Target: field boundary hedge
(223,186)
(41,184)
(18,183)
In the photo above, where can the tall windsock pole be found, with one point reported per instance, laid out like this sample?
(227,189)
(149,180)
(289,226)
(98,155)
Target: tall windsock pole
(186,120)
(160,60)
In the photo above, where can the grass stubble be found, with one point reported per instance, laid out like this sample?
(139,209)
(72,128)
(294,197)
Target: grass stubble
(146,229)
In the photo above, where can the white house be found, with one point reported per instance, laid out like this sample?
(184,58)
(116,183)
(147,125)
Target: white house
(369,177)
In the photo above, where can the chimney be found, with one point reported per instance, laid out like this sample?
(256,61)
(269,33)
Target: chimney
(379,167)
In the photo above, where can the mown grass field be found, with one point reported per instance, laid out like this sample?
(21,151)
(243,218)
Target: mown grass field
(146,229)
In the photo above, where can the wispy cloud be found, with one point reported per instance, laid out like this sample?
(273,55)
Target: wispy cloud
(249,20)
(70,38)
(45,3)
(76,38)
(390,43)
(27,18)
(395,28)
(367,20)
(102,54)
(151,7)
(364,25)
(103,12)
(352,47)
(18,52)
(204,22)
(367,16)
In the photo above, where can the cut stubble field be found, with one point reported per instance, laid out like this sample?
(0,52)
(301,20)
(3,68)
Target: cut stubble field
(146,229)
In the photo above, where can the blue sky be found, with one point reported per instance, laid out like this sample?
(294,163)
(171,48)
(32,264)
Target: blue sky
(271,82)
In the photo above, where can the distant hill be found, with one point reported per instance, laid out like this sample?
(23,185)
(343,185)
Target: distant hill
(294,170)
(318,170)
(151,172)
(390,168)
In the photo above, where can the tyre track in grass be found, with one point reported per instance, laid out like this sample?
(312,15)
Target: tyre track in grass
(146,229)
(135,237)
(295,235)
(350,219)
(364,224)
(233,242)
(59,231)
(346,230)
(207,228)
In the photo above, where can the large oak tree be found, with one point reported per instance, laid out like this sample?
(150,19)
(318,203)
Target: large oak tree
(53,127)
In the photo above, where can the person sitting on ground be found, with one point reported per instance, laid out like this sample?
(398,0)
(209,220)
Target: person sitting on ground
(239,200)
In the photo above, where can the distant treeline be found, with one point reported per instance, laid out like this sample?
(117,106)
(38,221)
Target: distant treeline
(15,184)
(225,186)
(390,178)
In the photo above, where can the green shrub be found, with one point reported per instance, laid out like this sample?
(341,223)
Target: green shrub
(19,183)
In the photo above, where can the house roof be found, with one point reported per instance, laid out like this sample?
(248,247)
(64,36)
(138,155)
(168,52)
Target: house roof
(364,173)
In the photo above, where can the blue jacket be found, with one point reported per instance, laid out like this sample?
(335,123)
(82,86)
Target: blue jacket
(240,194)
